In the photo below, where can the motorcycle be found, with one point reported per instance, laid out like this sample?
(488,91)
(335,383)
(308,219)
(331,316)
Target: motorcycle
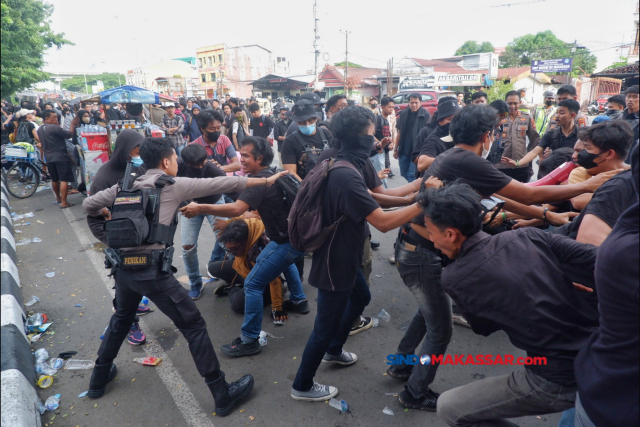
(593,108)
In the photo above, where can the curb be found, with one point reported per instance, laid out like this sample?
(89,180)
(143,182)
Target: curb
(19,398)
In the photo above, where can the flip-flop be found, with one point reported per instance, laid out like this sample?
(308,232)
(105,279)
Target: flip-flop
(73,192)
(56,202)
(65,207)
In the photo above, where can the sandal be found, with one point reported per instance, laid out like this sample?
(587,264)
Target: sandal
(74,191)
(68,206)
(275,314)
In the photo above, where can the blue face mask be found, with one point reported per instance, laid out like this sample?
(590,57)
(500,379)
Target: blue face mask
(136,161)
(308,130)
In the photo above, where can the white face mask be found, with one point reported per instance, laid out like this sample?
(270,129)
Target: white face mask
(485,153)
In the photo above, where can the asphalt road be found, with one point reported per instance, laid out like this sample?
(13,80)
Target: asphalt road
(173,394)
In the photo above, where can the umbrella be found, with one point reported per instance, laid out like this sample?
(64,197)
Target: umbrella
(129,94)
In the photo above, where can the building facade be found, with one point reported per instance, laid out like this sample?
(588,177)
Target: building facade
(147,76)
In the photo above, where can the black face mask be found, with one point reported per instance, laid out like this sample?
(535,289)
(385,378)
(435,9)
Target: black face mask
(586,159)
(445,128)
(612,112)
(548,103)
(196,172)
(213,136)
(357,152)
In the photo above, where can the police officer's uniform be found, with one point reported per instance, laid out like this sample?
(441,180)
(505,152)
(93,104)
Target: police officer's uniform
(146,269)
(542,118)
(514,139)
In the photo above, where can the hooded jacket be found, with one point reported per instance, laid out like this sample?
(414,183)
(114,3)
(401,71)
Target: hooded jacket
(112,172)
(192,126)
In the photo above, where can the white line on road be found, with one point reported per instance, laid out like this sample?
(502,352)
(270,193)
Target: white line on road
(186,402)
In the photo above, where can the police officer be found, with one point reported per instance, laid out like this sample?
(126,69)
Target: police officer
(568,92)
(543,112)
(148,214)
(516,128)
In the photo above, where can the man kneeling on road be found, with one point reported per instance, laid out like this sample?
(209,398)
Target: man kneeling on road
(142,226)
(520,282)
(276,258)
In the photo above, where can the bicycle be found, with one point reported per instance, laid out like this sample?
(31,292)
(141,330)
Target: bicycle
(24,175)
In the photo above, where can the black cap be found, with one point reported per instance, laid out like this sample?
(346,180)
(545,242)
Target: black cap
(447,107)
(313,97)
(303,110)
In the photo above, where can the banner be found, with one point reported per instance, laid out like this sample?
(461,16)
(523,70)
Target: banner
(422,81)
(562,65)
(460,80)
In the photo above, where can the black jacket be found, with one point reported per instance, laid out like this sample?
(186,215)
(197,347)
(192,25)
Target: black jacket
(422,120)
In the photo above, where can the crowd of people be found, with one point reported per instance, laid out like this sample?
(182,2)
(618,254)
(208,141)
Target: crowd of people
(553,266)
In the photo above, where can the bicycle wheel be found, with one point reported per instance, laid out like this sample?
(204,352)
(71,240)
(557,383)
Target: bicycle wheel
(22,180)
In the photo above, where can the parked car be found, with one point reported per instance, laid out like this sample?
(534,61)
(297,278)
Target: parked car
(602,101)
(429,99)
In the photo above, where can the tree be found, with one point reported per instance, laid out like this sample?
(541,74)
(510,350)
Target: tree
(470,47)
(623,61)
(351,65)
(109,80)
(545,45)
(499,90)
(25,36)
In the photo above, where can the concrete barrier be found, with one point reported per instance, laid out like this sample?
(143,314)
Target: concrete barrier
(19,398)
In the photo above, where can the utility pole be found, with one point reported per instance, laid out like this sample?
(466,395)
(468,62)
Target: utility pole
(573,52)
(346,62)
(315,44)
(86,88)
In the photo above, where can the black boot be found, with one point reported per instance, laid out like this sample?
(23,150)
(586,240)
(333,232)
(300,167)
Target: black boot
(226,396)
(102,374)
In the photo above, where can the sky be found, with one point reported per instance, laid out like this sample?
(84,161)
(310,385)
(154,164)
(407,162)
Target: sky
(128,34)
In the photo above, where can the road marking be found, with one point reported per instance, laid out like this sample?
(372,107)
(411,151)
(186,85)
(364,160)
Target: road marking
(186,402)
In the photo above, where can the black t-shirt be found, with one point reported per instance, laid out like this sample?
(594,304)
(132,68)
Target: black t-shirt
(208,171)
(261,126)
(434,145)
(369,174)
(53,140)
(608,202)
(292,149)
(270,204)
(336,263)
(457,163)
(383,129)
(406,135)
(555,139)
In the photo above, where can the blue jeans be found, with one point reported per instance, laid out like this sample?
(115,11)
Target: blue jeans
(190,230)
(420,271)
(273,260)
(336,313)
(407,168)
(568,418)
(581,417)
(378,164)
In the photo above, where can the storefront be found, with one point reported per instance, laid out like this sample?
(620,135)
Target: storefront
(283,86)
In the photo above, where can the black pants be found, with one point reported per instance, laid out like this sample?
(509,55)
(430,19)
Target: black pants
(224,270)
(173,300)
(387,161)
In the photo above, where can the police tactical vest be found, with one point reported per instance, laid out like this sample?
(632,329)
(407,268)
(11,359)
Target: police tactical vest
(135,218)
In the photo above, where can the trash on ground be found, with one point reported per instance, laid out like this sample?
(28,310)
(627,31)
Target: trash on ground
(35,321)
(34,299)
(43,188)
(51,274)
(340,405)
(263,338)
(149,361)
(52,403)
(28,215)
(39,222)
(78,305)
(375,322)
(391,394)
(384,315)
(56,363)
(41,408)
(60,258)
(83,394)
(67,354)
(37,240)
(145,300)
(45,381)
(79,364)
(36,337)
(23,242)
(387,411)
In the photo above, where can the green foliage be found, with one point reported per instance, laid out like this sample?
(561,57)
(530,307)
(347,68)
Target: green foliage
(545,45)
(351,65)
(110,80)
(621,63)
(25,36)
(499,90)
(470,47)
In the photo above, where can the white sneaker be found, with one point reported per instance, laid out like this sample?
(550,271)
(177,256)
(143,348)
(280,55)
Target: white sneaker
(318,393)
(345,358)
(392,258)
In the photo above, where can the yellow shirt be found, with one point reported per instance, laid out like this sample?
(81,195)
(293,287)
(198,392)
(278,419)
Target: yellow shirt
(579,175)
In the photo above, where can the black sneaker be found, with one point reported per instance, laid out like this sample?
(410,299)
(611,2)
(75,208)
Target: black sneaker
(365,323)
(400,372)
(428,402)
(374,244)
(301,307)
(238,349)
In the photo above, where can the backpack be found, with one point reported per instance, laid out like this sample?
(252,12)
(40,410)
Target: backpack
(307,228)
(311,155)
(22,135)
(289,185)
(135,218)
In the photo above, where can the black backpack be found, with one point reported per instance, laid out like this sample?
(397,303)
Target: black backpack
(135,218)
(311,155)
(290,185)
(22,134)
(307,228)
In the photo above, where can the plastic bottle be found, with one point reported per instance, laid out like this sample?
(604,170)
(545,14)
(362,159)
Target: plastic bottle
(41,355)
(79,364)
(34,299)
(52,403)
(56,363)
(145,300)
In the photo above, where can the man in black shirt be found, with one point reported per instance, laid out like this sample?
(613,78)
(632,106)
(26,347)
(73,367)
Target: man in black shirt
(410,122)
(335,271)
(280,130)
(565,135)
(520,282)
(276,258)
(194,164)
(301,148)
(260,124)
(53,139)
(434,143)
